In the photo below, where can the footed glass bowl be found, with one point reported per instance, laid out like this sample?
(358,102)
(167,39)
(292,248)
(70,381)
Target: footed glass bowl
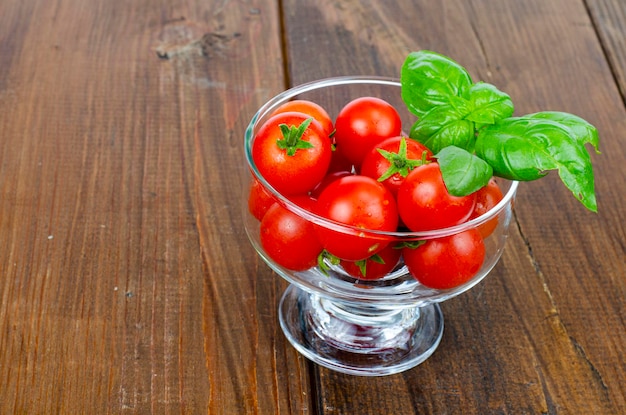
(358,326)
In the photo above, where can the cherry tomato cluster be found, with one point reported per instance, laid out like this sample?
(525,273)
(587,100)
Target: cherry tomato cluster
(361,171)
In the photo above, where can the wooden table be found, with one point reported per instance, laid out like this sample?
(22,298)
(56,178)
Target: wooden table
(128,285)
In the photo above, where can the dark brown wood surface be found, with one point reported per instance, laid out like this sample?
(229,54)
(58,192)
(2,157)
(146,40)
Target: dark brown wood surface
(128,285)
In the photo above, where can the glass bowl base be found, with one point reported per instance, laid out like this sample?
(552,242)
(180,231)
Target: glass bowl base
(359,339)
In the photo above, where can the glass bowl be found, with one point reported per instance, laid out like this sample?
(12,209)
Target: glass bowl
(356,326)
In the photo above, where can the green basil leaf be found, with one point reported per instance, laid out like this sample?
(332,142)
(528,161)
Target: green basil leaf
(443,126)
(429,79)
(579,129)
(489,104)
(512,151)
(463,173)
(526,148)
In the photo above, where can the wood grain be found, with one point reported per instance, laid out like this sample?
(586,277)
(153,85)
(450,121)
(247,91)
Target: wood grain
(609,17)
(545,333)
(127,283)
(125,288)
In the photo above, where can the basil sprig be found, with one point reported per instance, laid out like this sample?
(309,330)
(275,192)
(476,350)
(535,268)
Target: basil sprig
(470,128)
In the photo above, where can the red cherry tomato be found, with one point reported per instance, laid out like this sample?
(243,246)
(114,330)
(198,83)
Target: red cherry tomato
(446,262)
(339,162)
(328,179)
(486,198)
(375,267)
(259,200)
(292,163)
(425,204)
(304,201)
(363,123)
(310,108)
(289,239)
(360,202)
(393,159)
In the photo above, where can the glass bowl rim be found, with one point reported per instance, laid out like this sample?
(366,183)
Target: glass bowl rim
(292,92)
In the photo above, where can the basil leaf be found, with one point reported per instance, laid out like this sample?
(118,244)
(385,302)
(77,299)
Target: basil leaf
(441,127)
(463,173)
(579,129)
(429,79)
(489,104)
(526,148)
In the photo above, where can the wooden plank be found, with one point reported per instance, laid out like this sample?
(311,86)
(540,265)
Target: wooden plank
(128,284)
(609,18)
(545,333)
